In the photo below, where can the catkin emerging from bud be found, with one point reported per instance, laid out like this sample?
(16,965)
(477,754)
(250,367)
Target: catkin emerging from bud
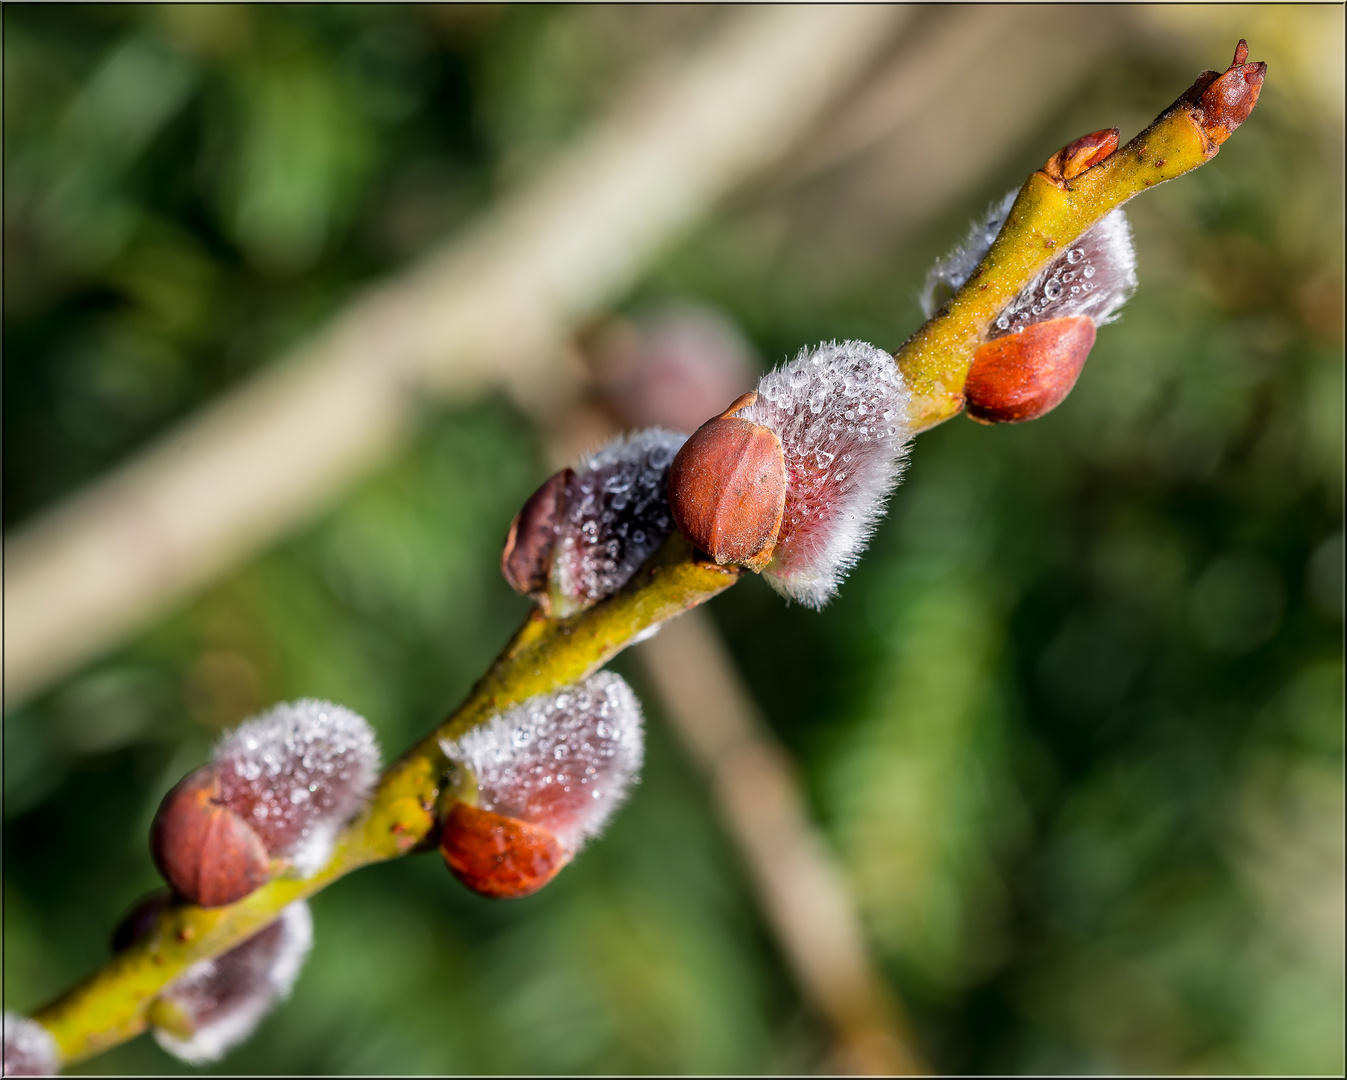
(1037,346)
(562,760)
(549,773)
(297,774)
(1094,277)
(617,514)
(840,412)
(216,1004)
(586,531)
(281,786)
(29,1048)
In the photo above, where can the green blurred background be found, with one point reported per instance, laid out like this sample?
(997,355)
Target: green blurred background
(1074,726)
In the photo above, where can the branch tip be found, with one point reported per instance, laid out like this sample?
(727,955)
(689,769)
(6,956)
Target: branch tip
(1221,101)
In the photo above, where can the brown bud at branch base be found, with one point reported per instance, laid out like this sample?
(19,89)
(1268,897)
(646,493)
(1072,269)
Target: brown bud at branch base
(1084,153)
(207,852)
(498,856)
(1024,375)
(727,488)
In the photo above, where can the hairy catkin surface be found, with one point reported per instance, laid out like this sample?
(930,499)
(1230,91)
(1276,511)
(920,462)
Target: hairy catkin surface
(840,411)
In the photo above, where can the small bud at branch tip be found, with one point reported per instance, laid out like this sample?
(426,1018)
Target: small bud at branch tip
(1230,98)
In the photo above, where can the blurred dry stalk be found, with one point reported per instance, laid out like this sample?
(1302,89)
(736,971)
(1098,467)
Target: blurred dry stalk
(800,887)
(907,129)
(488,308)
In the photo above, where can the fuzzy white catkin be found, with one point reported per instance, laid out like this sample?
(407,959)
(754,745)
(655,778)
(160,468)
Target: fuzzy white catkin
(297,773)
(840,411)
(29,1049)
(564,760)
(227,997)
(616,515)
(948,274)
(1094,277)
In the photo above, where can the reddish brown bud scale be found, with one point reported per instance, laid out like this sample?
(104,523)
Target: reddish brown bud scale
(497,856)
(1026,374)
(207,852)
(1229,99)
(1084,153)
(727,488)
(526,561)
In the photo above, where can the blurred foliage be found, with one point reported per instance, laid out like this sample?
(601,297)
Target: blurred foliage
(1075,724)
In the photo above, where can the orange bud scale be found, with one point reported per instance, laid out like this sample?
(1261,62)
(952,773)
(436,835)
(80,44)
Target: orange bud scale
(1022,376)
(207,852)
(497,856)
(727,488)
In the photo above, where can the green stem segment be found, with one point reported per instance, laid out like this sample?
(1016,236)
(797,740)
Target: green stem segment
(114,1003)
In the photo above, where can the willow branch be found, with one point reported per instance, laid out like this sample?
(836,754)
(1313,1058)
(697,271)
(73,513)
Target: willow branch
(114,1003)
(1055,206)
(1052,210)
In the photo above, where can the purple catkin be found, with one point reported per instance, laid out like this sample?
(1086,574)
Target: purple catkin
(1094,277)
(616,513)
(840,412)
(564,760)
(29,1048)
(222,1000)
(296,774)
